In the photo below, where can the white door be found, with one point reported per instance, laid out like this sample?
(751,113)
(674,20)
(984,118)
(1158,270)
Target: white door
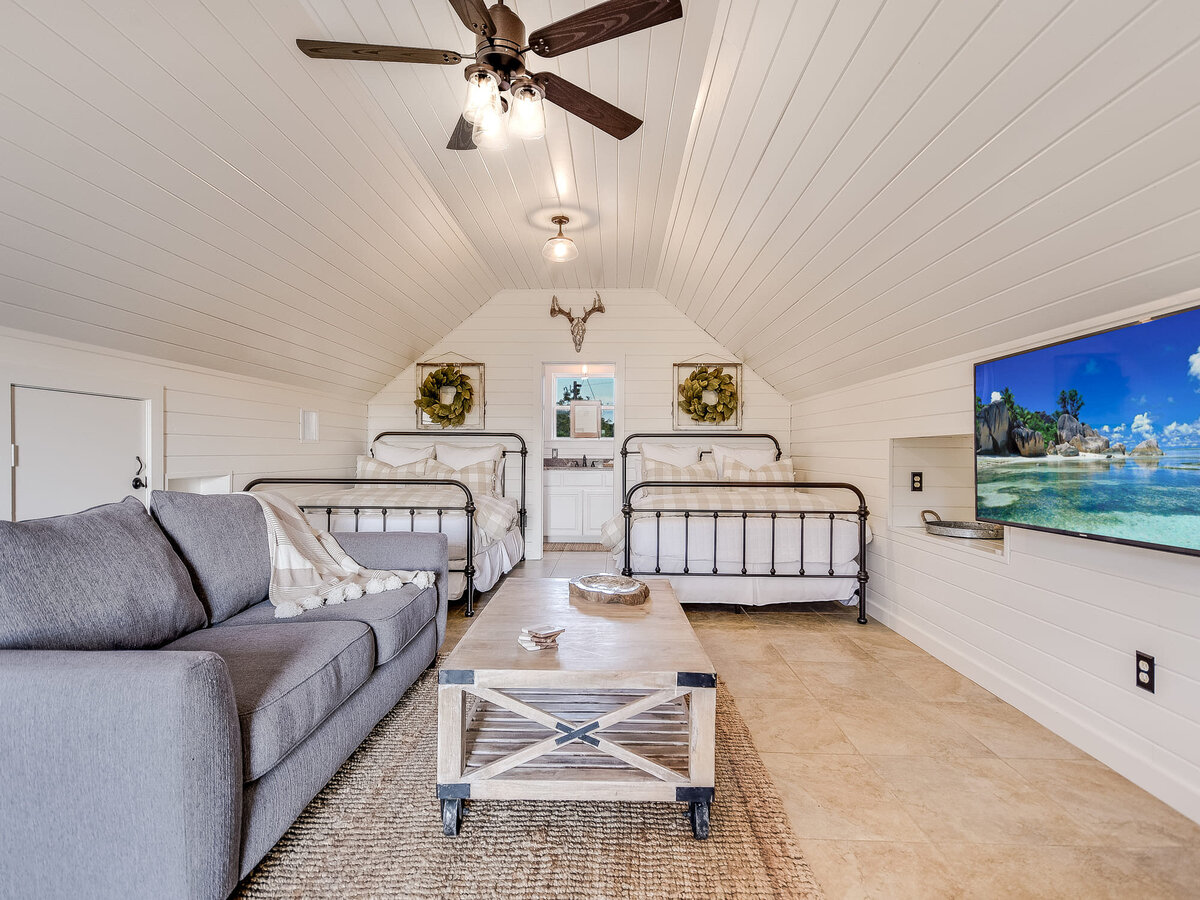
(75,450)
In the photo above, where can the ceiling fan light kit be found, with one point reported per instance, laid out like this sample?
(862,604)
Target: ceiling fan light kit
(500,50)
(483,91)
(527,116)
(560,248)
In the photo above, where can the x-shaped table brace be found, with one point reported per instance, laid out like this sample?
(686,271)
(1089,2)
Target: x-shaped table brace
(565,732)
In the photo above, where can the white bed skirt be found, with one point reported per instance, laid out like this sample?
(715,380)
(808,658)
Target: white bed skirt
(746,590)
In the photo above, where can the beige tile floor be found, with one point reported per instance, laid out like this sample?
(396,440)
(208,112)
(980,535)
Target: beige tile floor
(904,779)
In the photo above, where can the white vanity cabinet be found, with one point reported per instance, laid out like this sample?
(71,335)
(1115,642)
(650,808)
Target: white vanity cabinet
(577,503)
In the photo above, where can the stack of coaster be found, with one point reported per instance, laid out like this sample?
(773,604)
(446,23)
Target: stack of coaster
(540,637)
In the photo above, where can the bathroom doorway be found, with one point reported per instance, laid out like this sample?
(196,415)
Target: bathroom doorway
(579,421)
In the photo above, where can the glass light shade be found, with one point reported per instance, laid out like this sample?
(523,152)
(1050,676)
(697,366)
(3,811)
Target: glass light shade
(483,90)
(527,116)
(560,249)
(490,131)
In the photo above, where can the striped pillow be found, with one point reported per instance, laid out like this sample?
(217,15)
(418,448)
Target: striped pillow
(480,477)
(780,471)
(655,470)
(374,468)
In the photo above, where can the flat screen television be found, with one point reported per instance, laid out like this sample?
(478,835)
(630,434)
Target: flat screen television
(1097,437)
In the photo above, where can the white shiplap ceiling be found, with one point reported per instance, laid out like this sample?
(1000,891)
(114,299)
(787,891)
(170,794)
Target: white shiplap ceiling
(835,190)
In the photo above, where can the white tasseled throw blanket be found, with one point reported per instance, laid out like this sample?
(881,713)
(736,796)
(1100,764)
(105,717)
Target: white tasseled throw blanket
(310,569)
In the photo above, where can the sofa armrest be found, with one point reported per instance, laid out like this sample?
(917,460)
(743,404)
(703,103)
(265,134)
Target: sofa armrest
(122,774)
(404,550)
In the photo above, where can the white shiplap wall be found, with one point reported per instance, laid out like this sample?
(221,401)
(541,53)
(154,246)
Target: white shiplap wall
(513,335)
(1053,628)
(216,424)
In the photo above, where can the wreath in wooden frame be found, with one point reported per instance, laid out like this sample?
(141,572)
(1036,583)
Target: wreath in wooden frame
(716,379)
(429,396)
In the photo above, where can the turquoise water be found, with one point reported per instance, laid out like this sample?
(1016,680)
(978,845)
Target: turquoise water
(1155,500)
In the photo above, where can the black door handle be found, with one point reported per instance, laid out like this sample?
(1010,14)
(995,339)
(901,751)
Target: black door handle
(138,481)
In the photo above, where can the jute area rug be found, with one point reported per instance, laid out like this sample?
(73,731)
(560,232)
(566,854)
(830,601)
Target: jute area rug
(375,831)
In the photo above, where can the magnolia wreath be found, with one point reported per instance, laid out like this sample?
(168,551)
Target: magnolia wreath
(429,396)
(716,379)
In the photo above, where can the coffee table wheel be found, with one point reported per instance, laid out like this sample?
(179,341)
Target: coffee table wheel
(452,816)
(698,816)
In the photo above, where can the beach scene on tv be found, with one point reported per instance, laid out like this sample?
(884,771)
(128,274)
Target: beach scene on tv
(1097,436)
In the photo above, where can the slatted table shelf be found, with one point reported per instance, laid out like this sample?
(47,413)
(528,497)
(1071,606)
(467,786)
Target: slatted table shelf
(623,709)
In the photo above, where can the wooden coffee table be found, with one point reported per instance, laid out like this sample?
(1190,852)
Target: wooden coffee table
(623,709)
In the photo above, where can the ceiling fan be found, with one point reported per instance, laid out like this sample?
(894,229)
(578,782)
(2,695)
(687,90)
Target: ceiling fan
(499,65)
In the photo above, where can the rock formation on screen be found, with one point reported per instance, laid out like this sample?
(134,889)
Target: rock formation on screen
(1146,448)
(1002,427)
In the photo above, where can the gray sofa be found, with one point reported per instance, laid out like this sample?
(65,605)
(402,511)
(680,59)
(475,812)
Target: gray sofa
(159,728)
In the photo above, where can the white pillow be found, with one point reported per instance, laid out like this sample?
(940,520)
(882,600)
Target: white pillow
(750,457)
(671,454)
(399,454)
(780,471)
(369,467)
(461,457)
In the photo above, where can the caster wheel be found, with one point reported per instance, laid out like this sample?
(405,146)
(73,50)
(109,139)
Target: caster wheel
(698,816)
(452,816)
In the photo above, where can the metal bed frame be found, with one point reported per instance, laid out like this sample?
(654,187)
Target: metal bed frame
(467,507)
(658,509)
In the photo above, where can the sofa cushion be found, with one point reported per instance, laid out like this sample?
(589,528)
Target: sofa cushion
(286,679)
(393,616)
(223,540)
(102,579)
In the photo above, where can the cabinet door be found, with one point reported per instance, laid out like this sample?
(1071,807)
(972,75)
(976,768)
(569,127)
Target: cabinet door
(597,509)
(564,513)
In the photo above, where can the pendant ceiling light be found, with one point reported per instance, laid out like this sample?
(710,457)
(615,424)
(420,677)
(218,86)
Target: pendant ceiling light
(560,248)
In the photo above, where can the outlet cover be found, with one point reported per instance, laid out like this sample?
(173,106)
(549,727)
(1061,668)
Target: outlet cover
(1145,671)
(917,481)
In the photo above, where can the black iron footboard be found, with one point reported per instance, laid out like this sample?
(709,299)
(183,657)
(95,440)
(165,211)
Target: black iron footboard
(661,506)
(467,508)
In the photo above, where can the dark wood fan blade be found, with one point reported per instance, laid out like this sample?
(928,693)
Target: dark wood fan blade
(475,15)
(378,52)
(463,137)
(588,106)
(602,23)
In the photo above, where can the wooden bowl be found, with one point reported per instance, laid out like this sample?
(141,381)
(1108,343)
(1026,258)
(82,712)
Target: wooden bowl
(606,588)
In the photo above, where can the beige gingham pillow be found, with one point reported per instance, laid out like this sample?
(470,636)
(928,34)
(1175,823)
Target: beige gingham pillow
(480,477)
(374,468)
(780,471)
(654,470)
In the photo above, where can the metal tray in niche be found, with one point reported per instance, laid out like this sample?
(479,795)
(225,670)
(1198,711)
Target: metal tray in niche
(976,530)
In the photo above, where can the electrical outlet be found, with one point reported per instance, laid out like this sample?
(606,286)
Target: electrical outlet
(1145,671)
(918,481)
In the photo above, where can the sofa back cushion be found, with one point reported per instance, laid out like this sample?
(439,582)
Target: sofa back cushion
(223,540)
(102,579)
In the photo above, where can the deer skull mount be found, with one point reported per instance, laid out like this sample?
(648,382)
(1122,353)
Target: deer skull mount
(578,323)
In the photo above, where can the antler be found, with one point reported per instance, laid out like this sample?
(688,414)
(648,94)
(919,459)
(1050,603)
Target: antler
(597,307)
(556,310)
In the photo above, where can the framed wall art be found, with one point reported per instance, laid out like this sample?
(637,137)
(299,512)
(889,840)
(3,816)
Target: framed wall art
(708,395)
(450,396)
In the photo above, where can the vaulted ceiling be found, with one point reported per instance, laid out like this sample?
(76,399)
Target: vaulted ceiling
(834,190)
